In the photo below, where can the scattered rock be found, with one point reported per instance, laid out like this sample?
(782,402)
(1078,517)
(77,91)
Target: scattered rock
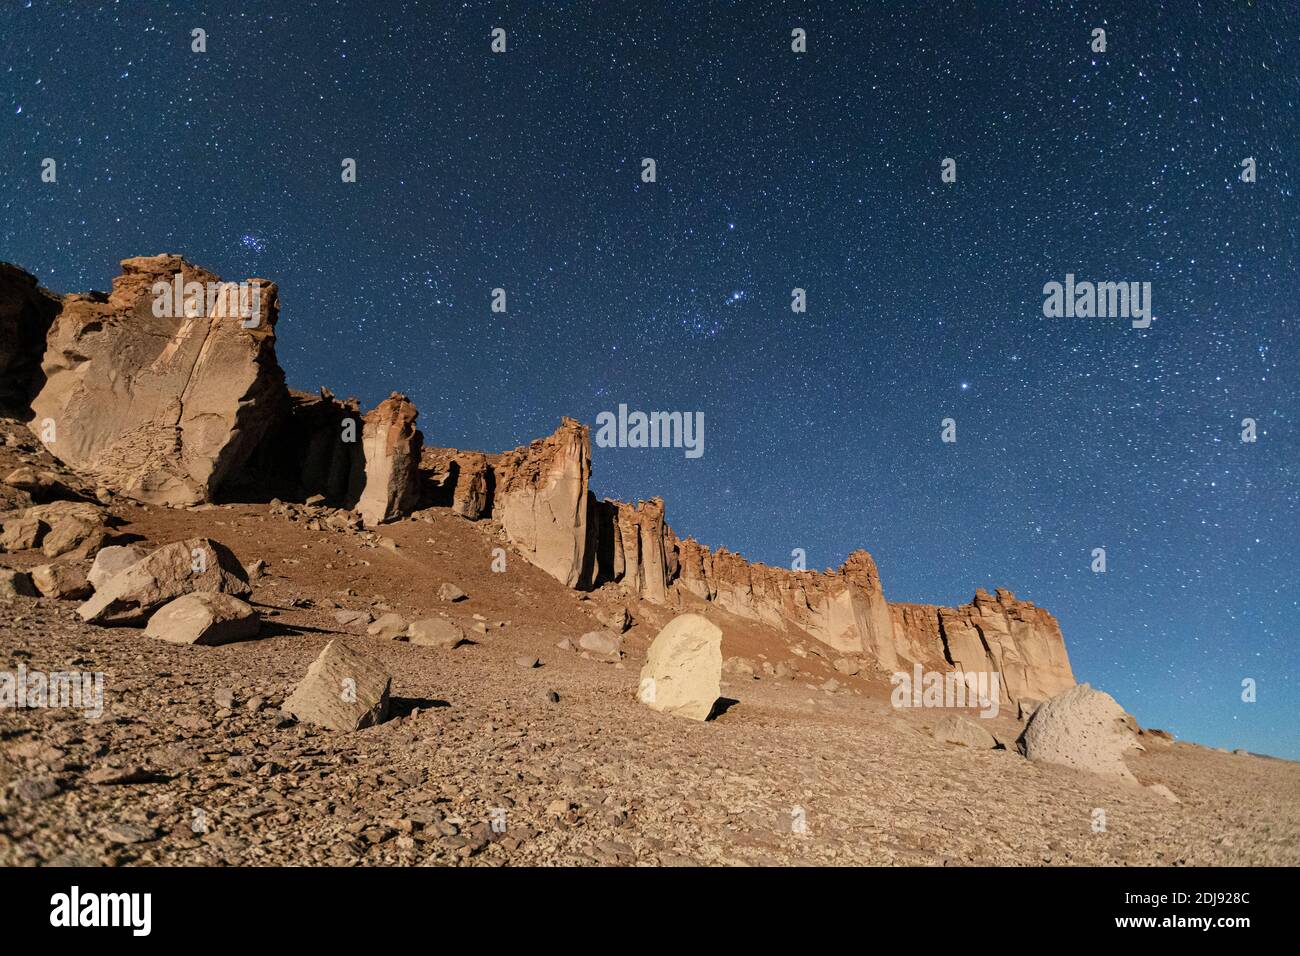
(112,560)
(353,618)
(342,690)
(77,534)
(848,666)
(602,645)
(204,617)
(738,667)
(528,663)
(62,581)
(451,593)
(130,833)
(435,632)
(1164,791)
(16,584)
(956,729)
(389,627)
(22,534)
(616,619)
(199,564)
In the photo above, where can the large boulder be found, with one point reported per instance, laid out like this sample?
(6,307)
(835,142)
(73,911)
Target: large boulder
(26,312)
(74,535)
(683,669)
(1081,728)
(391,451)
(63,581)
(198,564)
(22,533)
(203,617)
(342,690)
(111,560)
(164,408)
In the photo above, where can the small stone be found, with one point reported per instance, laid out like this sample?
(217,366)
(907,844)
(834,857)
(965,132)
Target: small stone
(130,833)
(389,627)
(62,581)
(602,645)
(353,618)
(451,593)
(435,632)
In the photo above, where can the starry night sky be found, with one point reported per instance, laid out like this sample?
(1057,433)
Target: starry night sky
(775,170)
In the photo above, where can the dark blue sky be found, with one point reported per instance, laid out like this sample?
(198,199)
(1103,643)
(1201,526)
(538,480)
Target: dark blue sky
(775,170)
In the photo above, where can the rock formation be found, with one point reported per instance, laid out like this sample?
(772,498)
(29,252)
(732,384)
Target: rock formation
(203,617)
(162,408)
(541,500)
(342,690)
(460,480)
(26,313)
(1001,634)
(183,408)
(391,453)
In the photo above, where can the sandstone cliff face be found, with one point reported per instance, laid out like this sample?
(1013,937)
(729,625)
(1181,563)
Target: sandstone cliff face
(164,409)
(26,313)
(1021,641)
(1016,639)
(176,410)
(844,609)
(541,501)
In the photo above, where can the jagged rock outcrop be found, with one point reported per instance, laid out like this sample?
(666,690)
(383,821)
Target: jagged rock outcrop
(163,408)
(26,313)
(845,609)
(541,501)
(634,540)
(460,480)
(1019,640)
(391,451)
(1000,634)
